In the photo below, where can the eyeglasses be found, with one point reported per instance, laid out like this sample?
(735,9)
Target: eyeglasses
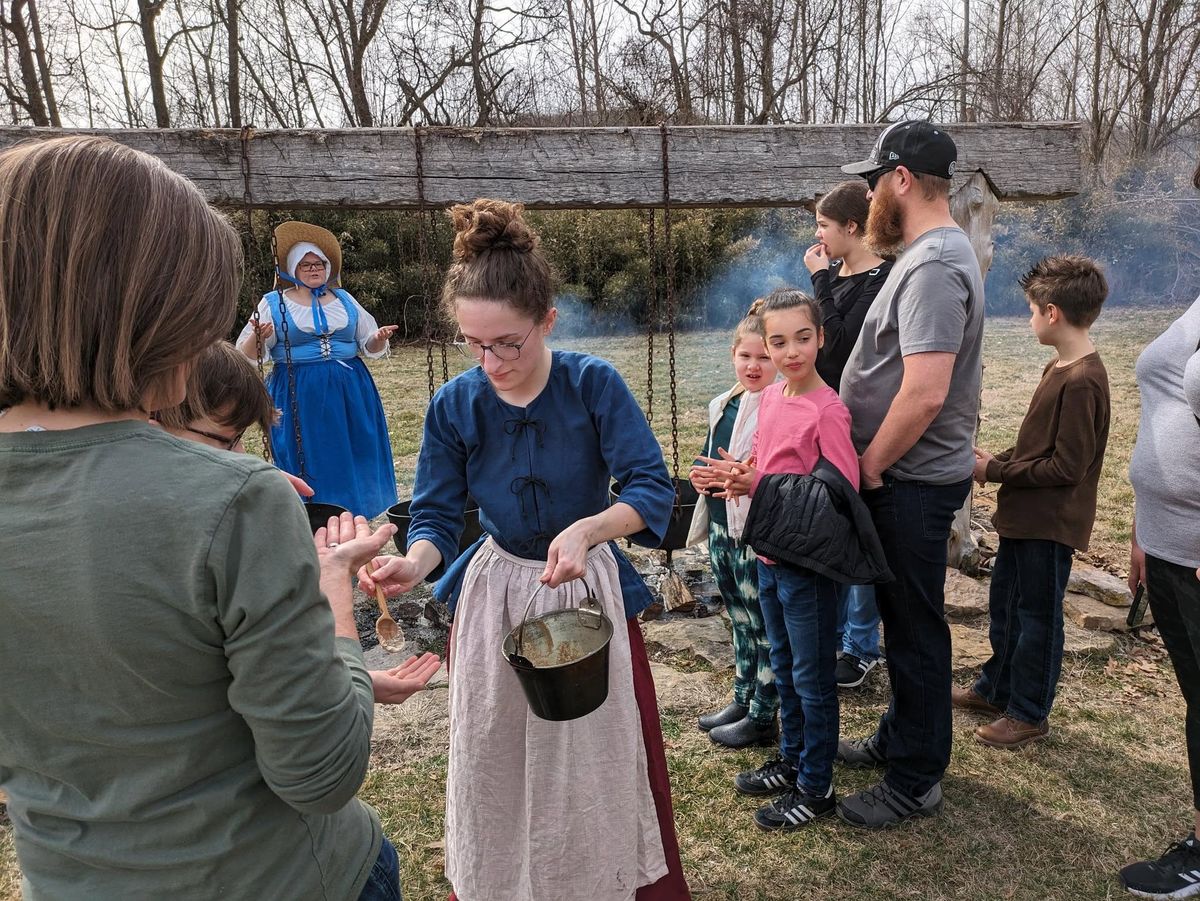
(222,441)
(873,178)
(501,350)
(312,267)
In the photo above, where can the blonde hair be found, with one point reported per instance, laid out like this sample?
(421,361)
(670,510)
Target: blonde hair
(498,257)
(114,272)
(752,323)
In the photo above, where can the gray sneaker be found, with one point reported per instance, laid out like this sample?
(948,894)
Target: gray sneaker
(861,753)
(882,806)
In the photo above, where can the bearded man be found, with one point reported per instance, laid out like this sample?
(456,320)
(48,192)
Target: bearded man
(912,387)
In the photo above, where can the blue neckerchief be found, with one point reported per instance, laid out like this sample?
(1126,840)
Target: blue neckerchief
(320,322)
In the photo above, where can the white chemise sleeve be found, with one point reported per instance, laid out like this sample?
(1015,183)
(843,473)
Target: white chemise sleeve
(264,315)
(367,326)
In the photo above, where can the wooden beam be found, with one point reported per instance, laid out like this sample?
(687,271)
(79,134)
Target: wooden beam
(560,168)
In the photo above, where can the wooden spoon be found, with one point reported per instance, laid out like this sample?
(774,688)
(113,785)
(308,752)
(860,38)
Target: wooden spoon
(391,636)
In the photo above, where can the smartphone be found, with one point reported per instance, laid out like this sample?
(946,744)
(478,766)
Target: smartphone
(1138,608)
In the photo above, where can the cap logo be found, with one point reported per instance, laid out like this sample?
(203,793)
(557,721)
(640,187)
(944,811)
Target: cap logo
(951,168)
(893,155)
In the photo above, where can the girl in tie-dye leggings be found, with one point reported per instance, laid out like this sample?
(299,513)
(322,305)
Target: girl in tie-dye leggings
(752,716)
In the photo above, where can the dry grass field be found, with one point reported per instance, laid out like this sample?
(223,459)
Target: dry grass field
(1053,822)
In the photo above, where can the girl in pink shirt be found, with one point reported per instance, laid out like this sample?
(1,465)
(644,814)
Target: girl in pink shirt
(800,420)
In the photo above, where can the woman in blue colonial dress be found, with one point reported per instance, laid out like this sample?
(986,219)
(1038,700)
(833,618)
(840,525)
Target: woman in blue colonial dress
(314,332)
(538,810)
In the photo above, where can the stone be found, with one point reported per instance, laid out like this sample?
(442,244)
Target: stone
(1089,613)
(968,647)
(688,691)
(653,612)
(709,640)
(1079,642)
(966,598)
(1100,585)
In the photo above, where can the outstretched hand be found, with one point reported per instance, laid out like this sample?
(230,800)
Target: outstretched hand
(397,685)
(346,542)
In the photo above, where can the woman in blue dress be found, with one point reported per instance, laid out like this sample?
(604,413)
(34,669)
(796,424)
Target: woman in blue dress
(314,332)
(538,810)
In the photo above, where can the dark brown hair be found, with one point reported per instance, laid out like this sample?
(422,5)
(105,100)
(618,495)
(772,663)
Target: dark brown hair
(1075,284)
(789,299)
(498,257)
(114,272)
(1196,176)
(752,323)
(846,203)
(224,386)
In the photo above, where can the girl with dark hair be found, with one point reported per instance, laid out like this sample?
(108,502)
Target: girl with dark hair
(538,810)
(846,276)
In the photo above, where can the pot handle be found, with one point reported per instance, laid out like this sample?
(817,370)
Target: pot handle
(590,605)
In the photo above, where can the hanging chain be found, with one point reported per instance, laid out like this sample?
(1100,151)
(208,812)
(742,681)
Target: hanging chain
(252,253)
(291,372)
(669,262)
(423,263)
(651,315)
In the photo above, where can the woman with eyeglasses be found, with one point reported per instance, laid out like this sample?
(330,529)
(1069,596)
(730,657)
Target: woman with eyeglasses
(332,431)
(538,810)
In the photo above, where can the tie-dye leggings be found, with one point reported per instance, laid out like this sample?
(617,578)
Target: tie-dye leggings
(735,570)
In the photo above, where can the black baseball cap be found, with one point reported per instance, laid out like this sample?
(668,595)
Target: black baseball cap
(917,145)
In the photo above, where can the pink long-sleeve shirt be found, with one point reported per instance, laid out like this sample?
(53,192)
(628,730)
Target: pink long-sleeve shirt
(794,432)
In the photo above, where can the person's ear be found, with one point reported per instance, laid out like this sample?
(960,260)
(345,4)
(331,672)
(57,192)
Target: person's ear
(549,321)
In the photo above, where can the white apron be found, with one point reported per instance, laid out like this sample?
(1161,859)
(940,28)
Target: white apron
(539,810)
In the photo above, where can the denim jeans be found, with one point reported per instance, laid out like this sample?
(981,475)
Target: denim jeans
(384,882)
(799,609)
(913,520)
(1029,579)
(1174,594)
(858,621)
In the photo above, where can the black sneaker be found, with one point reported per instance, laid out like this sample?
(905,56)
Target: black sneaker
(775,776)
(861,753)
(882,806)
(1174,875)
(852,671)
(794,809)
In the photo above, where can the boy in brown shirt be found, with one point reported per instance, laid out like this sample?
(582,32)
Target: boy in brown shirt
(1045,507)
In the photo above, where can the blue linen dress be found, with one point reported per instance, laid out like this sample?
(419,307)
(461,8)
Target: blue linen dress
(536,470)
(347,452)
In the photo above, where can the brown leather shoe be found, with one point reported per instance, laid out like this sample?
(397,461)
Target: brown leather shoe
(1011,734)
(969,699)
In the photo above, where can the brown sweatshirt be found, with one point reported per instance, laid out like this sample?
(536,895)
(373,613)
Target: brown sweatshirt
(1049,478)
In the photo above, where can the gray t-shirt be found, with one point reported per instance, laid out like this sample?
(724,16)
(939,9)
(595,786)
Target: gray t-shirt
(1165,470)
(931,302)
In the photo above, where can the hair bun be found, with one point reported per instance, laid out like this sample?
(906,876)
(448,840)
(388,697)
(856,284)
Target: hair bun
(490,225)
(756,307)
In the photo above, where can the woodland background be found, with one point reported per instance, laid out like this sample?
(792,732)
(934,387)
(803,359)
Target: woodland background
(1128,69)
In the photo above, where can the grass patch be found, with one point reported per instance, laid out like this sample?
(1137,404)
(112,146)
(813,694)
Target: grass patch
(1053,822)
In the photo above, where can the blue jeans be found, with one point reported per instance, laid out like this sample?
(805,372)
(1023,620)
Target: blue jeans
(913,521)
(1029,579)
(384,882)
(799,609)
(858,621)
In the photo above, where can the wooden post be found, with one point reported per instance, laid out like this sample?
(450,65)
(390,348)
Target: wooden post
(974,206)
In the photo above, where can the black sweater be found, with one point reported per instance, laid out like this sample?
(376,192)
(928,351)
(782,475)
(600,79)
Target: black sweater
(844,304)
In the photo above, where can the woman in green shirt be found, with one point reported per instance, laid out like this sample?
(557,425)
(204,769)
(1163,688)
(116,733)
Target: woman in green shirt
(185,713)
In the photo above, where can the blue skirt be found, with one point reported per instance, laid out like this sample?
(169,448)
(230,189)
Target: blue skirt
(347,453)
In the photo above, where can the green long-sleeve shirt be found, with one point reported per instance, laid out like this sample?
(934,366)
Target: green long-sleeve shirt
(177,719)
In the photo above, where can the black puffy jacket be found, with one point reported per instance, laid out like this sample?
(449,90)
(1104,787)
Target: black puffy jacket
(819,522)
